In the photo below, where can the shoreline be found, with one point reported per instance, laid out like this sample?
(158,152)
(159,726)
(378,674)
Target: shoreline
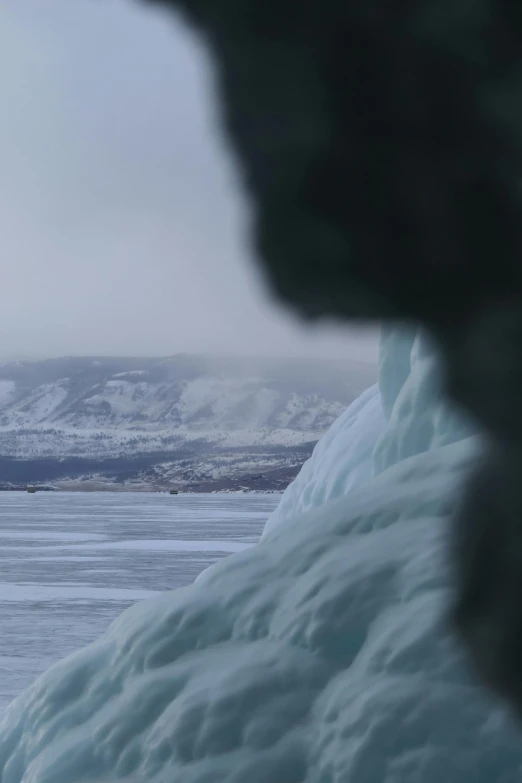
(141,490)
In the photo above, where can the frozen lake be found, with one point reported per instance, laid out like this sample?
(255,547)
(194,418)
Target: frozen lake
(72,562)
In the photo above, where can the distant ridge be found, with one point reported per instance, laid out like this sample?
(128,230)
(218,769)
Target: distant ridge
(123,417)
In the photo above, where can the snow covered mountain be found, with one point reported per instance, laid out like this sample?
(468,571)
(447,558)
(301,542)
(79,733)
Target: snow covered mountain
(184,419)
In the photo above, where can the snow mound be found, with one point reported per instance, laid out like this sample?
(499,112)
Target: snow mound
(320,655)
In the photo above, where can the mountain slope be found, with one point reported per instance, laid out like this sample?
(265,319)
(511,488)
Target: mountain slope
(78,416)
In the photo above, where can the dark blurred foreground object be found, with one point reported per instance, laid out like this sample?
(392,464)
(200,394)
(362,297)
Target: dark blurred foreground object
(381,143)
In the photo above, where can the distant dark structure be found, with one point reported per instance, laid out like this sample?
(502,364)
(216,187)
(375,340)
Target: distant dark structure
(381,145)
(173,491)
(31,490)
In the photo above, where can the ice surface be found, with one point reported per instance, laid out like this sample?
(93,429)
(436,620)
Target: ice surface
(419,418)
(320,655)
(49,535)
(341,460)
(73,591)
(158,545)
(54,601)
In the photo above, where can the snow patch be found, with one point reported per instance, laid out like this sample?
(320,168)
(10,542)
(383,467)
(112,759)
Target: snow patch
(130,374)
(7,389)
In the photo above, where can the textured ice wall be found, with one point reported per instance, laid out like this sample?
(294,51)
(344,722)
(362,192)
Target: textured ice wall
(419,416)
(405,414)
(319,656)
(341,461)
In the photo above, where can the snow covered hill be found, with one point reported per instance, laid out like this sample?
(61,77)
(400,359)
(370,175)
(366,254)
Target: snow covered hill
(187,419)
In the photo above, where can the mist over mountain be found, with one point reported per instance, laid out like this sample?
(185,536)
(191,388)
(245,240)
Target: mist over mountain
(198,422)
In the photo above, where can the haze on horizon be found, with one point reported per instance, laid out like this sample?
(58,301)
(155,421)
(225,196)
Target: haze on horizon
(123,228)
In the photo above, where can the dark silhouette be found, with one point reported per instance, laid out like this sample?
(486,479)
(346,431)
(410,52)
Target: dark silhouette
(381,145)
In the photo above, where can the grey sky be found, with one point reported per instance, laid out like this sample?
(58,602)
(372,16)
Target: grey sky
(122,228)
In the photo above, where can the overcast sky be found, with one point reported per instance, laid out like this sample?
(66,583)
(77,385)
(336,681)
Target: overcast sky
(122,228)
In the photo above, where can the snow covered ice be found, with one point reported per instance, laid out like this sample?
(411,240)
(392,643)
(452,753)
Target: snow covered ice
(321,655)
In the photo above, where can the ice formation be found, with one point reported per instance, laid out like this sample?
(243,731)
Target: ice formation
(321,655)
(342,459)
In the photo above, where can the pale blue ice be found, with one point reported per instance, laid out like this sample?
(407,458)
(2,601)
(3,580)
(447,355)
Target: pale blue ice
(320,655)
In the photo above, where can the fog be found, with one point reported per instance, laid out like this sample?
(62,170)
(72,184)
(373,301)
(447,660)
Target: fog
(123,229)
